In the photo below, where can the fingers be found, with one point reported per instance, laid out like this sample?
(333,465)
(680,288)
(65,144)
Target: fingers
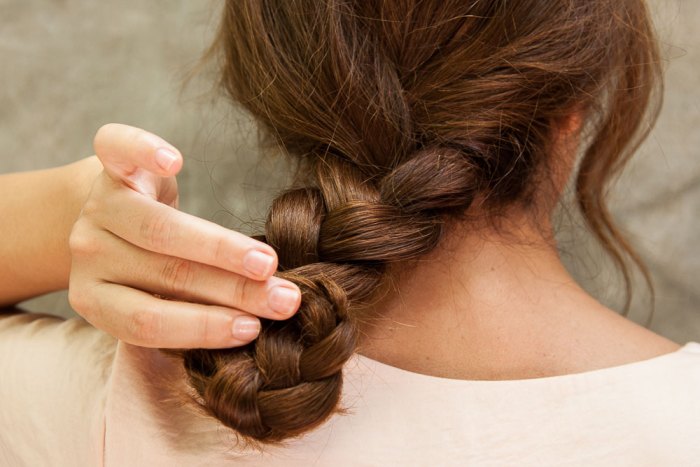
(127,246)
(141,319)
(159,228)
(186,280)
(128,153)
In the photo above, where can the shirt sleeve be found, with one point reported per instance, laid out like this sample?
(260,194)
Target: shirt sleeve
(53,380)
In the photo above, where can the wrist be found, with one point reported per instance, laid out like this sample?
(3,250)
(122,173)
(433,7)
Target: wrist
(40,208)
(77,180)
(73,185)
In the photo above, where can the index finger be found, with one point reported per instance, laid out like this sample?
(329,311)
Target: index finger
(124,150)
(157,227)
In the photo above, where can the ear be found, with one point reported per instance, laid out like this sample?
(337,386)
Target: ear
(572,124)
(566,140)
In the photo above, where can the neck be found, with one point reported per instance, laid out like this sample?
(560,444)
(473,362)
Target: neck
(489,304)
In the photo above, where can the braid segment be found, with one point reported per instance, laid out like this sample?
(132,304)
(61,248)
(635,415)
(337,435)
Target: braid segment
(334,240)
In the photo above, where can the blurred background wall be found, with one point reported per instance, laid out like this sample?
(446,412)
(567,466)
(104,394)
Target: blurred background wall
(69,66)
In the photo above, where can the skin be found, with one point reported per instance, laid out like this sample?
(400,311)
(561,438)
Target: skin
(482,307)
(129,247)
(35,228)
(502,306)
(497,303)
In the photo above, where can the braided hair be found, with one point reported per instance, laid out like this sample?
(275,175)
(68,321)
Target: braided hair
(402,112)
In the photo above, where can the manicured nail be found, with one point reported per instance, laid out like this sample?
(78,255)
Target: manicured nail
(246,328)
(165,158)
(283,300)
(258,263)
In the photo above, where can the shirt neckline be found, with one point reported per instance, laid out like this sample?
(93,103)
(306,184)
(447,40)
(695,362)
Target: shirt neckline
(691,347)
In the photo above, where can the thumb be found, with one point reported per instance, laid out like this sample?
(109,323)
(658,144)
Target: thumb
(136,157)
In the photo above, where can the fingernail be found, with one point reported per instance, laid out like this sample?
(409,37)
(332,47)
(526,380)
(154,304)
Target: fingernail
(165,158)
(246,328)
(258,263)
(283,300)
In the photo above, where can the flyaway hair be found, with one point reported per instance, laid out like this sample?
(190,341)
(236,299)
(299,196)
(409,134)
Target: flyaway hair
(401,114)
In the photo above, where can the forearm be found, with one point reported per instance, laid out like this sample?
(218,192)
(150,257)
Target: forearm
(37,212)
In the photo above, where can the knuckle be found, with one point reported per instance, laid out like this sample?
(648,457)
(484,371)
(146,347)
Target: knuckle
(144,325)
(205,330)
(157,230)
(177,276)
(219,248)
(91,207)
(94,205)
(80,300)
(77,298)
(241,292)
(213,329)
(81,242)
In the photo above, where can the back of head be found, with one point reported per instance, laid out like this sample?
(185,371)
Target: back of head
(401,112)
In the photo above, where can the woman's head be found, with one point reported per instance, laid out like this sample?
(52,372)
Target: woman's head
(402,113)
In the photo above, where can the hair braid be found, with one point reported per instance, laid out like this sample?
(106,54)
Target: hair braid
(402,111)
(289,380)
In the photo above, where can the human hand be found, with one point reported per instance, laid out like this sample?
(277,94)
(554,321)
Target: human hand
(131,247)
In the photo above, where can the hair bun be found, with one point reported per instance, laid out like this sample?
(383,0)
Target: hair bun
(289,380)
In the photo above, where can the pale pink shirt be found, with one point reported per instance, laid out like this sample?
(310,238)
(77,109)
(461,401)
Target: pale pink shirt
(72,396)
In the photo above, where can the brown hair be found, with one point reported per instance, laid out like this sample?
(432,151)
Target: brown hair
(401,112)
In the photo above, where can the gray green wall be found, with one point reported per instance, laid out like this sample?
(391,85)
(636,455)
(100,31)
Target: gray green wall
(69,66)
